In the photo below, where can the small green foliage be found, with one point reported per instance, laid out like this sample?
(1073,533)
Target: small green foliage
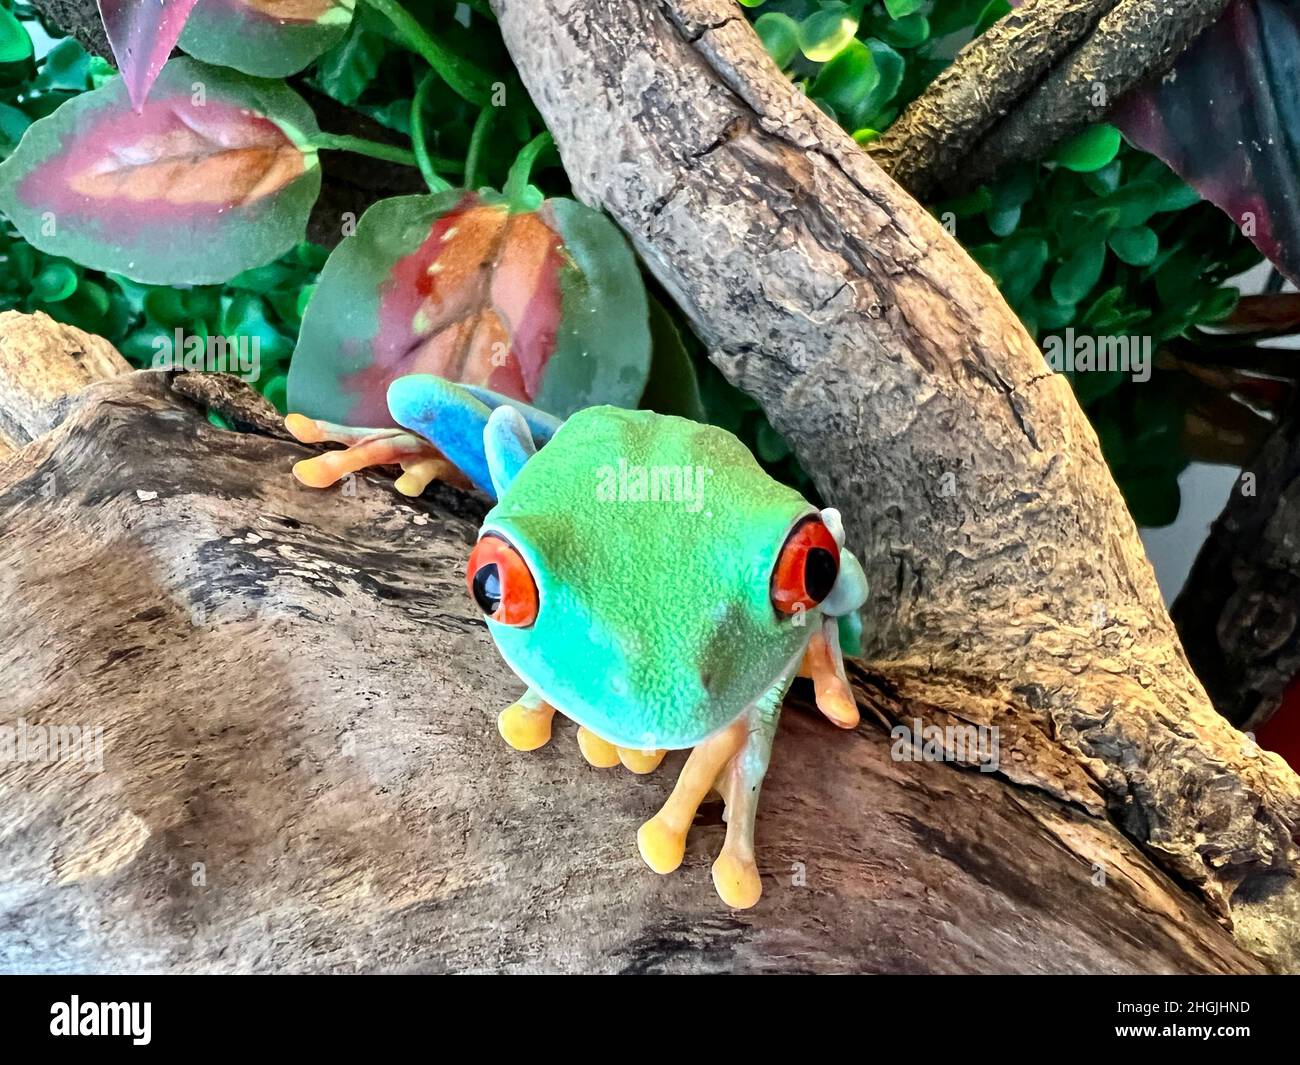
(1090,149)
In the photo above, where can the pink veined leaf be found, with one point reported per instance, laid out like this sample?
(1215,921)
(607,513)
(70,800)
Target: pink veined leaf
(143,34)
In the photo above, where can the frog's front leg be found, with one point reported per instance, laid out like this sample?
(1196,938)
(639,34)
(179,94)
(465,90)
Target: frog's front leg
(603,754)
(526,726)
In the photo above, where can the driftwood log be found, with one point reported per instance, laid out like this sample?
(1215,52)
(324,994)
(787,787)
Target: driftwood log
(300,768)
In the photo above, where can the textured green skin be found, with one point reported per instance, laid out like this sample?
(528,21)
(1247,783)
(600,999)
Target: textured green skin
(655,626)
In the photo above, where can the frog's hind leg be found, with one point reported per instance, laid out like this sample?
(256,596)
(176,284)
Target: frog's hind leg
(526,725)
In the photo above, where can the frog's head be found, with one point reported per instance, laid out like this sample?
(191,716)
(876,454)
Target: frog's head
(645,576)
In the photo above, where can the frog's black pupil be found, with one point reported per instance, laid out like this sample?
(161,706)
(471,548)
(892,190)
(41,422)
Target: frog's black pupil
(819,572)
(487,589)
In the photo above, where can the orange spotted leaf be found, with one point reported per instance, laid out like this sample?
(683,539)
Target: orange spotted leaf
(545,306)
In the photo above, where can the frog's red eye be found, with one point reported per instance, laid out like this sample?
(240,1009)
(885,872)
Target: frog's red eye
(500,583)
(806,568)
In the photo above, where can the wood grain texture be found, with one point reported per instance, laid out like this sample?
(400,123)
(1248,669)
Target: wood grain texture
(1006,572)
(301,769)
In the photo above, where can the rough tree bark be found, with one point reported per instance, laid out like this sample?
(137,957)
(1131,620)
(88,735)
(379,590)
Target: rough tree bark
(300,769)
(1009,585)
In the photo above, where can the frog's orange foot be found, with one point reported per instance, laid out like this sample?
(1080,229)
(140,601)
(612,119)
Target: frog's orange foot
(603,754)
(420,461)
(527,724)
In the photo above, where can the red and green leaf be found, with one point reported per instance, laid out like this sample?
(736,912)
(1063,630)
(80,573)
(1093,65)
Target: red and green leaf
(1227,120)
(545,306)
(211,178)
(143,34)
(266,38)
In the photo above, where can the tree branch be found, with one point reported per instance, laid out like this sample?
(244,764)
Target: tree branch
(1136,40)
(1007,576)
(928,142)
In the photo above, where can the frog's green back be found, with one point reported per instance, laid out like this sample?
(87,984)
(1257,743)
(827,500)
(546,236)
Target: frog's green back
(652,540)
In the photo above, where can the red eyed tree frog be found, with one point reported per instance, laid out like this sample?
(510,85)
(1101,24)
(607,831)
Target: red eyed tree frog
(643,576)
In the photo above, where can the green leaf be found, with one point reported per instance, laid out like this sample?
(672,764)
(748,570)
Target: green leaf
(1075,277)
(1106,180)
(902,8)
(1218,306)
(66,67)
(194,188)
(1021,258)
(254,36)
(780,36)
(17,63)
(1002,222)
(56,282)
(847,79)
(1136,245)
(1135,203)
(994,10)
(1177,197)
(972,203)
(1153,499)
(824,33)
(907,32)
(890,67)
(673,386)
(1090,149)
(347,69)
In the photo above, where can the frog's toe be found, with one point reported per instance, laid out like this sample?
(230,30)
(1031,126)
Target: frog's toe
(526,727)
(735,875)
(662,844)
(640,761)
(598,752)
